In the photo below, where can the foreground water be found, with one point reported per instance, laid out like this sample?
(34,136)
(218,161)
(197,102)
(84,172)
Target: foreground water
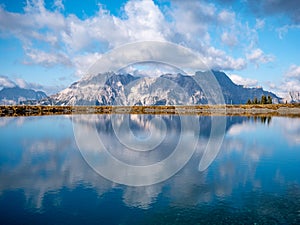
(50,166)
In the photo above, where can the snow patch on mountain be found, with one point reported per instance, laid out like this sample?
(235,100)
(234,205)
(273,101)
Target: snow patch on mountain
(168,89)
(292,97)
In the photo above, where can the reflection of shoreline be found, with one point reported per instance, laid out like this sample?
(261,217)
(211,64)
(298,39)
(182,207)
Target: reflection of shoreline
(289,110)
(261,119)
(50,164)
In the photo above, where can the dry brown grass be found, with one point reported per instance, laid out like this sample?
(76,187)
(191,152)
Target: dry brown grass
(205,110)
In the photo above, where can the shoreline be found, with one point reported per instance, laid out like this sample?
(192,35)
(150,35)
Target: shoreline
(289,110)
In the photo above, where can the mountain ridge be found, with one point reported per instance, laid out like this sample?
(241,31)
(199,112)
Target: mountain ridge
(168,89)
(17,95)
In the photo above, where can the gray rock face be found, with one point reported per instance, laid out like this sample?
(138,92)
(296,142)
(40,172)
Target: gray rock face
(237,94)
(292,97)
(168,89)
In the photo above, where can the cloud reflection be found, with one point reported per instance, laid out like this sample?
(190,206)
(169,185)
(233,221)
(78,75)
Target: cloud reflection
(49,164)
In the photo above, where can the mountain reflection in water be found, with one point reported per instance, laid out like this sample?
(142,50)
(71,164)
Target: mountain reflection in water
(254,177)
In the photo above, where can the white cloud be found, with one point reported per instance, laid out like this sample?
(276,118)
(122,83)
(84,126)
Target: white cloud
(247,82)
(226,17)
(59,5)
(293,72)
(46,58)
(257,56)
(192,17)
(21,83)
(150,69)
(84,62)
(68,36)
(145,21)
(51,38)
(260,24)
(218,59)
(5,82)
(289,84)
(26,26)
(284,29)
(31,85)
(40,17)
(229,39)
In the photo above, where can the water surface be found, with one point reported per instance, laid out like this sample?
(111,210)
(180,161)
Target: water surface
(45,179)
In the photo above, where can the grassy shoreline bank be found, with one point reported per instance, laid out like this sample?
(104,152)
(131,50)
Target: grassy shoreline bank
(291,110)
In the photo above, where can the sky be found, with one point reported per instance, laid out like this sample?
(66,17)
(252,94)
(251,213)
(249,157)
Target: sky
(48,44)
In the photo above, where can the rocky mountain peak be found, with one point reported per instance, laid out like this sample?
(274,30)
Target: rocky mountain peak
(168,89)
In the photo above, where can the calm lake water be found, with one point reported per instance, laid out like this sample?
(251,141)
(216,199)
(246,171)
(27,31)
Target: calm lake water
(52,170)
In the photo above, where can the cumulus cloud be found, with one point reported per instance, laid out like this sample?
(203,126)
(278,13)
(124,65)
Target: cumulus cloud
(145,21)
(25,26)
(52,38)
(260,23)
(247,82)
(150,69)
(192,17)
(257,56)
(59,5)
(293,72)
(183,58)
(21,83)
(226,17)
(290,83)
(229,39)
(142,21)
(46,59)
(284,29)
(218,59)
(68,37)
(84,62)
(5,82)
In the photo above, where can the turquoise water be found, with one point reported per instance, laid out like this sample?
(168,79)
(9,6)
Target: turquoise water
(47,176)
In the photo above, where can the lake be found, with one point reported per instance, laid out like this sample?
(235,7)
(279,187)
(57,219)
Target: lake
(149,169)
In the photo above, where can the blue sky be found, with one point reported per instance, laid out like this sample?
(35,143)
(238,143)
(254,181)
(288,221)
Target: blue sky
(50,44)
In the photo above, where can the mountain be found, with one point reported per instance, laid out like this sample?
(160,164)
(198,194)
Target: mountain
(17,95)
(168,89)
(292,97)
(238,94)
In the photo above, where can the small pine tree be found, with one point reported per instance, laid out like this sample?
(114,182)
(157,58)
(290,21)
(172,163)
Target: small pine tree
(255,101)
(249,102)
(263,99)
(269,101)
